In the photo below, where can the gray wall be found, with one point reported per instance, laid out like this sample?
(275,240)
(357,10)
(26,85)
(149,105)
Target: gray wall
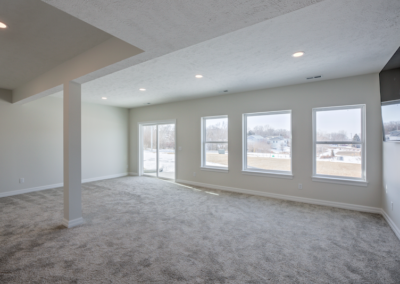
(300,99)
(391,179)
(31,142)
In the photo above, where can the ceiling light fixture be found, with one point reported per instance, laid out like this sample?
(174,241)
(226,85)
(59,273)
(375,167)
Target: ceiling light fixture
(298,54)
(103,98)
(3,25)
(199,76)
(142,89)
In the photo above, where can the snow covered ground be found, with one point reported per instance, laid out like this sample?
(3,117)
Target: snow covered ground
(341,158)
(166,161)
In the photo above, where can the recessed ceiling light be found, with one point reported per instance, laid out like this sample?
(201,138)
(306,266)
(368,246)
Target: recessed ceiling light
(3,25)
(103,98)
(142,89)
(199,76)
(298,54)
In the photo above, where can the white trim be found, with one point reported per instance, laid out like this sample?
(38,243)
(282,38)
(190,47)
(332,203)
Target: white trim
(57,185)
(221,170)
(287,197)
(268,174)
(72,223)
(391,223)
(363,144)
(164,121)
(340,181)
(204,140)
(244,141)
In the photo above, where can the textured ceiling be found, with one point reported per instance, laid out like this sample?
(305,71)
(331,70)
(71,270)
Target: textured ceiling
(38,38)
(341,38)
(160,27)
(236,45)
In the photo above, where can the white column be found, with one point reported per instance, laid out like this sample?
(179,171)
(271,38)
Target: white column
(72,155)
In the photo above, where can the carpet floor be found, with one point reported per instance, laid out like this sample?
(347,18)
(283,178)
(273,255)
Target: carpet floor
(145,230)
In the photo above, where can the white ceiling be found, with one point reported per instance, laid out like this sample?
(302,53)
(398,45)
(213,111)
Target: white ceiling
(38,38)
(243,46)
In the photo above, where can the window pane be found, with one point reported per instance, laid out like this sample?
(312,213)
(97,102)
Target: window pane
(150,150)
(216,129)
(339,160)
(217,154)
(339,125)
(268,142)
(391,122)
(166,151)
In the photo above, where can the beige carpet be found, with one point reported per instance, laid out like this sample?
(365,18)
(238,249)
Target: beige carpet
(144,230)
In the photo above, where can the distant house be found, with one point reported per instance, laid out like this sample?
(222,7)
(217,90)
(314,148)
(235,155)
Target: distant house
(394,135)
(255,138)
(278,142)
(356,138)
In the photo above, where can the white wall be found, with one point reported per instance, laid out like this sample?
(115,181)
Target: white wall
(31,143)
(300,99)
(391,179)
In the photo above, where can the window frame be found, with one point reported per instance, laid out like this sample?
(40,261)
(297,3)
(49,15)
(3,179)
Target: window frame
(270,173)
(204,141)
(340,179)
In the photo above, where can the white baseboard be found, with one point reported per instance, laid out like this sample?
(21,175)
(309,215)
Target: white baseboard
(133,174)
(27,190)
(391,223)
(72,223)
(104,177)
(288,197)
(39,188)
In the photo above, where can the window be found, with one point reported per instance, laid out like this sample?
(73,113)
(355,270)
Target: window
(339,143)
(214,142)
(267,143)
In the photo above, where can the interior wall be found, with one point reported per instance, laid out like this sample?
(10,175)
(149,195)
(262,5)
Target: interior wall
(31,143)
(298,98)
(391,182)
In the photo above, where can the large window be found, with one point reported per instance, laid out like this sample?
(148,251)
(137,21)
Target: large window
(267,143)
(214,142)
(339,143)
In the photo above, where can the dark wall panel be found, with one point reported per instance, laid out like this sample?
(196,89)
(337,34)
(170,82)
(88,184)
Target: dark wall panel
(390,79)
(390,85)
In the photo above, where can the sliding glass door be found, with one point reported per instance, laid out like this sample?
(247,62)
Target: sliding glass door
(157,146)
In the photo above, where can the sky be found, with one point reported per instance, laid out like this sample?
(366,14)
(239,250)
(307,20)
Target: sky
(391,113)
(348,120)
(276,121)
(211,122)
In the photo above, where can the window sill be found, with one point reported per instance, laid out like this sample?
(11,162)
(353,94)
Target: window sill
(267,174)
(214,169)
(340,181)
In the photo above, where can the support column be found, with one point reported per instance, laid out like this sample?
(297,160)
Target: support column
(72,155)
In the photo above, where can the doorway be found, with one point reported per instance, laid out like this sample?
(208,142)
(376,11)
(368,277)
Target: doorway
(157,148)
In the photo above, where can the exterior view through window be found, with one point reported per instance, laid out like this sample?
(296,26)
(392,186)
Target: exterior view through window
(267,142)
(215,142)
(339,142)
(158,150)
